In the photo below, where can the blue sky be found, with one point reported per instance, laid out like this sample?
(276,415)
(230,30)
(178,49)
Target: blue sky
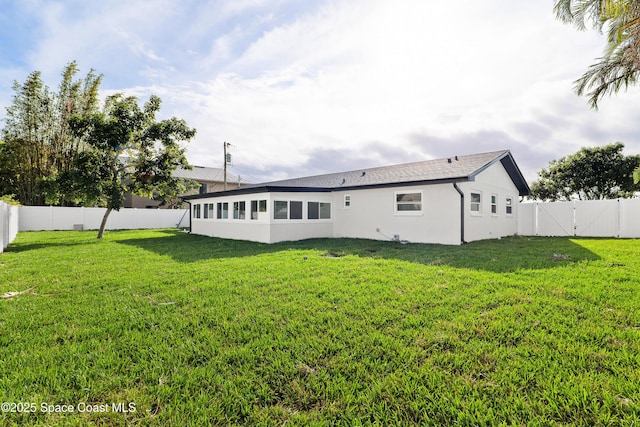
(305,88)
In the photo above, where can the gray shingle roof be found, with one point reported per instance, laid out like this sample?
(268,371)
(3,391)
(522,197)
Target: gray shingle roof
(457,168)
(428,170)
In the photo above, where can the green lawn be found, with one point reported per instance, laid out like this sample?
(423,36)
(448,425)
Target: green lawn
(190,330)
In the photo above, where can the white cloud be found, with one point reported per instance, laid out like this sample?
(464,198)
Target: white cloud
(358,73)
(285,83)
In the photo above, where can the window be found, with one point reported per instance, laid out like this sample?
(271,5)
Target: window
(223,210)
(258,206)
(280,209)
(254,209)
(494,204)
(196,211)
(203,189)
(295,210)
(318,210)
(239,210)
(476,200)
(313,210)
(207,210)
(508,206)
(347,201)
(409,202)
(325,210)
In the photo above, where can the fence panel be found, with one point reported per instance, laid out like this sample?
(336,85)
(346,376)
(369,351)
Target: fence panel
(629,218)
(4,226)
(34,218)
(597,218)
(8,224)
(527,219)
(585,218)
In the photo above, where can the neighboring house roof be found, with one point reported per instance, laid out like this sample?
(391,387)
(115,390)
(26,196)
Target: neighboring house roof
(205,174)
(453,169)
(198,173)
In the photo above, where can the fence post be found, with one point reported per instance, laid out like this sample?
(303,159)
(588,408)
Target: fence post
(619,218)
(3,227)
(575,225)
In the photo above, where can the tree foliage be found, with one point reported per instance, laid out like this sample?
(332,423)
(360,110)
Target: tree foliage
(590,174)
(619,66)
(38,146)
(127,151)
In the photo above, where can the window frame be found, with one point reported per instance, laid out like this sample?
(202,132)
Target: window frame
(196,211)
(222,210)
(257,207)
(477,212)
(397,203)
(318,210)
(494,204)
(346,204)
(313,208)
(277,211)
(292,212)
(508,206)
(239,209)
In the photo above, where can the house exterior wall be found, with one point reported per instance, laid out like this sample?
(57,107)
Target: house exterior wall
(139,202)
(486,224)
(372,215)
(265,229)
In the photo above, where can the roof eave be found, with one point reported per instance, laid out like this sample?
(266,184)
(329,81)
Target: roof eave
(289,189)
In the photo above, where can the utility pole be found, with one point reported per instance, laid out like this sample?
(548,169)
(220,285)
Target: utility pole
(226,160)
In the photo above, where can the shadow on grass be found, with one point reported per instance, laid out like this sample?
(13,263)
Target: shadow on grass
(184,247)
(60,240)
(503,255)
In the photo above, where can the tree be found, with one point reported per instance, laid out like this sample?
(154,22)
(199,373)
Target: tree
(38,146)
(619,66)
(170,193)
(591,173)
(127,151)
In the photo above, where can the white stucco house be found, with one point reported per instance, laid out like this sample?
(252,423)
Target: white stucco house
(448,201)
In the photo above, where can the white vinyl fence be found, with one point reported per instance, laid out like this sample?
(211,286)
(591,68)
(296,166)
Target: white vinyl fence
(587,218)
(8,224)
(34,218)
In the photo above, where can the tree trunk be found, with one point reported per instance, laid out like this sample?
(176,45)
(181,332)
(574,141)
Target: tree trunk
(104,223)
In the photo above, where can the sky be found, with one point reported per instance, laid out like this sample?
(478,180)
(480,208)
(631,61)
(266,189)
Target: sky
(310,87)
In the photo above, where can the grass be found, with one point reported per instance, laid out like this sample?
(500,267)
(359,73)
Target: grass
(193,330)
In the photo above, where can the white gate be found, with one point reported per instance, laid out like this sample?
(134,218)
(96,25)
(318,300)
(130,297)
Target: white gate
(597,218)
(555,219)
